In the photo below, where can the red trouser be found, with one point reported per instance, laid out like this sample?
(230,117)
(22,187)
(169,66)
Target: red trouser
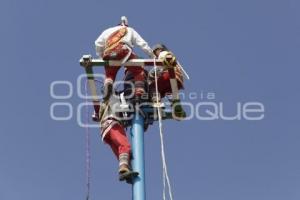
(138,72)
(164,85)
(116,138)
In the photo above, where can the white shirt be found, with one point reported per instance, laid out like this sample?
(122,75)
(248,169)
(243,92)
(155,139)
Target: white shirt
(132,38)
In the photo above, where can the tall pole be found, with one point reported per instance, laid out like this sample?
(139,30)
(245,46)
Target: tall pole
(137,130)
(138,160)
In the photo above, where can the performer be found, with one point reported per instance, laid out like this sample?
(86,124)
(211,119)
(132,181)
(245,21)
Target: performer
(170,79)
(116,43)
(113,134)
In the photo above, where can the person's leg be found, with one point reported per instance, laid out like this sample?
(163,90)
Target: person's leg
(117,53)
(164,85)
(164,88)
(117,139)
(110,76)
(139,80)
(139,77)
(119,144)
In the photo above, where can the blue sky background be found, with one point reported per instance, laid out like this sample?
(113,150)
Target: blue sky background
(240,50)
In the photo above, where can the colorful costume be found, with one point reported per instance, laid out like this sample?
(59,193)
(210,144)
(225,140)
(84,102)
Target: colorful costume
(163,81)
(166,74)
(113,133)
(116,43)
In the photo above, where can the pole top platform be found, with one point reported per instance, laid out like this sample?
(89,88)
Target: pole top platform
(89,61)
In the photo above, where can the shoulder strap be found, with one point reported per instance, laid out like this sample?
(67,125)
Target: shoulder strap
(115,37)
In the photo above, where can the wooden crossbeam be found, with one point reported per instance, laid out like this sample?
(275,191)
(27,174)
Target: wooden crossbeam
(88,61)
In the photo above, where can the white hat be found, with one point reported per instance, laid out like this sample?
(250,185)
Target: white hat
(124,20)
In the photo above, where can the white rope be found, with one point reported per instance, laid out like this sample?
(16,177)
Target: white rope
(164,163)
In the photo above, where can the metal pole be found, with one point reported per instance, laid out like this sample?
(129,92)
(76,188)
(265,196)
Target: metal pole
(138,161)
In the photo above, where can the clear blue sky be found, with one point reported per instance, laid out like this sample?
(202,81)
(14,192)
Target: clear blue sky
(241,50)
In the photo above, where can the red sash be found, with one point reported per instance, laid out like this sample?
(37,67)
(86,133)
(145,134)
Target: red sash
(113,46)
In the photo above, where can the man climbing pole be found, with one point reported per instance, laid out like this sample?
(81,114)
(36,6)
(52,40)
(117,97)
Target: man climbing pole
(113,134)
(116,43)
(169,80)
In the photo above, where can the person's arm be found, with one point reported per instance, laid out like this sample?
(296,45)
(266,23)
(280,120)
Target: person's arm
(139,41)
(100,44)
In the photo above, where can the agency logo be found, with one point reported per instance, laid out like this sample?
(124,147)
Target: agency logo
(204,106)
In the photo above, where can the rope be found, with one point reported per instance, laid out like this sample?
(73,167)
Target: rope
(164,163)
(87,148)
(88,143)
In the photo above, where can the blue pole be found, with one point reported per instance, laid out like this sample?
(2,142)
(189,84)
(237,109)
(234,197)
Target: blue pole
(138,161)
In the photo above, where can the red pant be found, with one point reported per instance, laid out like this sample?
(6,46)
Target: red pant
(116,138)
(164,85)
(138,73)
